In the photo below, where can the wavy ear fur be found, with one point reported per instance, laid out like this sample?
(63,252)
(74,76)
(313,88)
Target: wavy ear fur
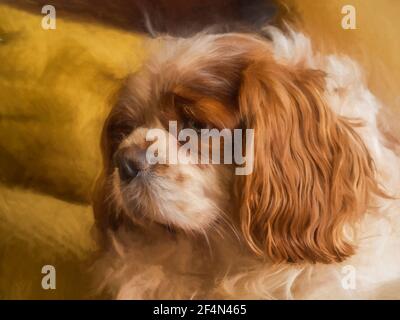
(312,173)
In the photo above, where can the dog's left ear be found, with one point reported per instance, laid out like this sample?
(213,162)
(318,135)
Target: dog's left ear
(312,173)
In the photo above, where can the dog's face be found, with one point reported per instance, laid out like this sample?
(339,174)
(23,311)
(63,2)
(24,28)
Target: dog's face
(310,173)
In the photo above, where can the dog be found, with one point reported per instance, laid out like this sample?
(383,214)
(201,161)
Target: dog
(318,217)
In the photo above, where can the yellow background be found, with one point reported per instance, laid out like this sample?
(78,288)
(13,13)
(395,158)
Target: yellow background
(375,44)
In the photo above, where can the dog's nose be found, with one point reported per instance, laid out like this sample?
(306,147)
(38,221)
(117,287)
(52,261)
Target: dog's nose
(130,163)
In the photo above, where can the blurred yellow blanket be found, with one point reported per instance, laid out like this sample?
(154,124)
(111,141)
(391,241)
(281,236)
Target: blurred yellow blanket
(55,90)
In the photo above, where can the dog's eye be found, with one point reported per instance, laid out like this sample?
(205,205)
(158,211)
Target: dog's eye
(115,132)
(119,131)
(195,125)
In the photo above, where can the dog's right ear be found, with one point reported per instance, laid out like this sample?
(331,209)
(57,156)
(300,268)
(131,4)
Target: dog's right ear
(103,213)
(107,217)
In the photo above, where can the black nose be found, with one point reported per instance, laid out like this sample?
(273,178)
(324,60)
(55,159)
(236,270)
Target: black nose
(129,163)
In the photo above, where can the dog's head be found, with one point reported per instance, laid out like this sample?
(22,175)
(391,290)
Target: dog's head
(310,174)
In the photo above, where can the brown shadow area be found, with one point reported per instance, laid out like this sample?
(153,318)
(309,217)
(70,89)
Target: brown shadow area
(175,17)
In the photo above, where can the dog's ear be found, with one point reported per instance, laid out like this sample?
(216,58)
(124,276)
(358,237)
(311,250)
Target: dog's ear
(107,215)
(312,173)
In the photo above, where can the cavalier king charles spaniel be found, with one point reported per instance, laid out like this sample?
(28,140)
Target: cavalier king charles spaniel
(318,216)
